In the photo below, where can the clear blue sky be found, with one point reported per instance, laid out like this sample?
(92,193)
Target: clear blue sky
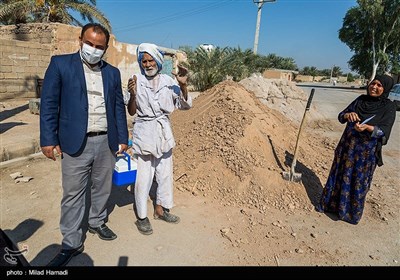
(306,30)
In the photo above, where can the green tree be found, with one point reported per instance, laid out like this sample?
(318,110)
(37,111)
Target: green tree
(11,15)
(372,31)
(288,63)
(234,63)
(325,72)
(24,11)
(351,77)
(310,71)
(207,67)
(336,71)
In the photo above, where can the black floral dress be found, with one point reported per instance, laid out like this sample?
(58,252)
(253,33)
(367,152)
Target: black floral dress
(351,173)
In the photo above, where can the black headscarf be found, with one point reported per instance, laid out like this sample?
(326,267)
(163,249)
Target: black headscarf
(383,109)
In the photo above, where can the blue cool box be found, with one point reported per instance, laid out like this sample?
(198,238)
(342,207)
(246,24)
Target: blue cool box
(124,171)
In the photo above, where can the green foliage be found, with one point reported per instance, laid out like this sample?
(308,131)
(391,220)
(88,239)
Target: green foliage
(313,71)
(209,68)
(325,72)
(351,77)
(24,11)
(14,12)
(310,71)
(336,71)
(206,67)
(372,31)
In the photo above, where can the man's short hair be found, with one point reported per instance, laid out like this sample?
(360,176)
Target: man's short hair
(97,28)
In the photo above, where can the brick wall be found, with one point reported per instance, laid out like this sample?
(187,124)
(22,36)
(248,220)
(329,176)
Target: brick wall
(26,50)
(22,63)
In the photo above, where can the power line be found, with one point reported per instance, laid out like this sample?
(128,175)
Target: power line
(172,17)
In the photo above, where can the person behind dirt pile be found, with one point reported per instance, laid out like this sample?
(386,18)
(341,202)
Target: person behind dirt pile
(359,151)
(83,117)
(153,97)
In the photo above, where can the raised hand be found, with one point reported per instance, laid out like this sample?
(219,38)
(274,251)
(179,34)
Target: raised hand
(182,75)
(132,85)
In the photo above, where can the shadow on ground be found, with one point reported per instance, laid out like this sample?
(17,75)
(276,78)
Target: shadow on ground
(11,253)
(120,196)
(49,252)
(12,112)
(310,180)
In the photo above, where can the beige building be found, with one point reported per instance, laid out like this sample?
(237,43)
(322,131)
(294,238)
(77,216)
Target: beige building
(279,74)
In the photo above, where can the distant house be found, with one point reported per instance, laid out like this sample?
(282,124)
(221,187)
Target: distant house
(207,47)
(279,74)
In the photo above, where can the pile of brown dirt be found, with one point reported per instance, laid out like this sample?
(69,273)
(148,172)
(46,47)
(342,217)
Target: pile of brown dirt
(234,148)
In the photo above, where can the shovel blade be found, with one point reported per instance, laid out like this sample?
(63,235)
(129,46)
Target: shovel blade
(291,176)
(296,177)
(286,175)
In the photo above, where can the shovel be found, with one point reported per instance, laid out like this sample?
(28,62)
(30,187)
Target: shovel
(291,175)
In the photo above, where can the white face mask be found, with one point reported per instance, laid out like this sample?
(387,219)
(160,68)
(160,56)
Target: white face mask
(151,72)
(91,55)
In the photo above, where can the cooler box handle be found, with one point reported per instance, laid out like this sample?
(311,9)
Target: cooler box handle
(128,158)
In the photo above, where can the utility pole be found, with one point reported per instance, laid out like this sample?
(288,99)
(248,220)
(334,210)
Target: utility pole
(330,80)
(259,4)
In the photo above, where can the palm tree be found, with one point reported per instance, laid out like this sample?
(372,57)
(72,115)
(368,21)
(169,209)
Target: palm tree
(336,71)
(14,12)
(232,64)
(206,66)
(23,11)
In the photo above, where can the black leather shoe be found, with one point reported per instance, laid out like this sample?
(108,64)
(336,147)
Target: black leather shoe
(104,232)
(65,256)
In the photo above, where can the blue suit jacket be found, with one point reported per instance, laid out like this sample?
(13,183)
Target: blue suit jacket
(64,105)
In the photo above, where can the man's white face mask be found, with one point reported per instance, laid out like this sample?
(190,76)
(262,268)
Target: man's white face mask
(151,72)
(91,55)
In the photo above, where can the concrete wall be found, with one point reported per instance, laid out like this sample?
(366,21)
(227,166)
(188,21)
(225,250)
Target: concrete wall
(26,50)
(307,78)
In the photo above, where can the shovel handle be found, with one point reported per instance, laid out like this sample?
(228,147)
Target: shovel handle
(310,99)
(300,130)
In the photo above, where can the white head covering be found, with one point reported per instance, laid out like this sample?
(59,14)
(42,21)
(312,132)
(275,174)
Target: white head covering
(152,50)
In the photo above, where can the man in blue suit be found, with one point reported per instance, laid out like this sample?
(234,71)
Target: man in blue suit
(82,118)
